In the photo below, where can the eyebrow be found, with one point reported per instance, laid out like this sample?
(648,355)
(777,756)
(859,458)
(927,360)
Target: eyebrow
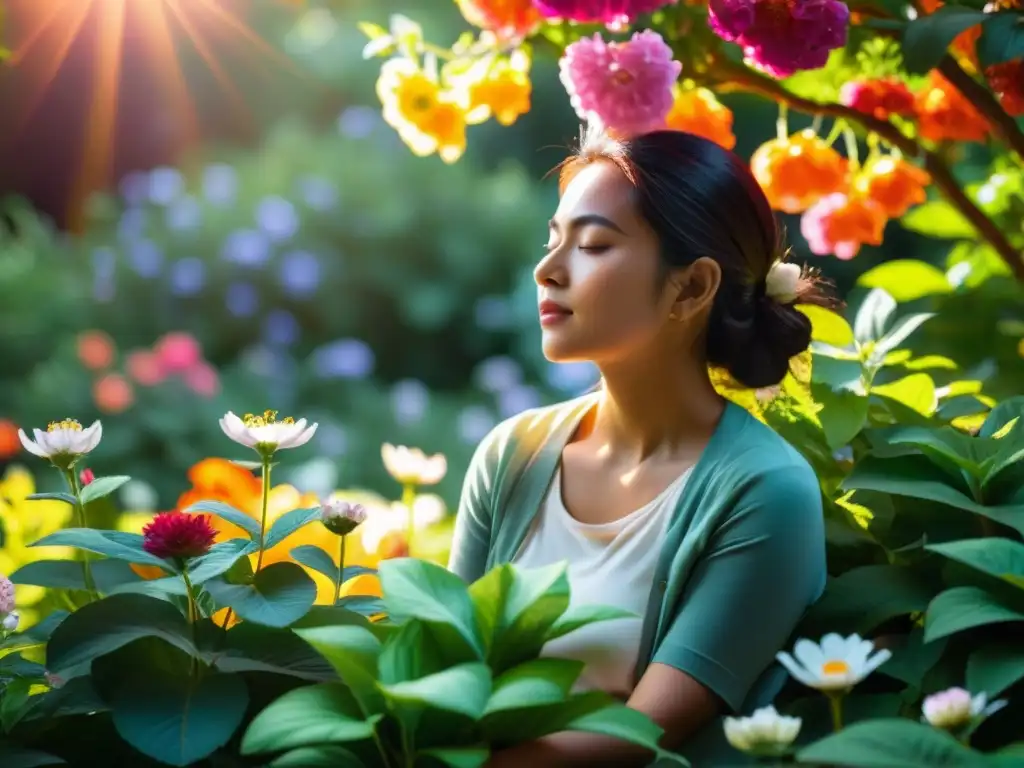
(590,219)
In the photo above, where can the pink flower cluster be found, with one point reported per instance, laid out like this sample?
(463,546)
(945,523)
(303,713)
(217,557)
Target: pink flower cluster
(611,13)
(625,87)
(174,354)
(782,37)
(6,595)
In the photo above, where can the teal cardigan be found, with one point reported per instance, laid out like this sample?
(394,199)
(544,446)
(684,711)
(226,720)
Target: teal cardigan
(743,558)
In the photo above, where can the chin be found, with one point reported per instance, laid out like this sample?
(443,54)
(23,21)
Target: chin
(559,351)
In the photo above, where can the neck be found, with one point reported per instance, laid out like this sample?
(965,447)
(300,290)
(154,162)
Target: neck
(648,407)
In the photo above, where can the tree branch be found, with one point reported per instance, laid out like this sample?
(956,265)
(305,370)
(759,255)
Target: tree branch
(1004,126)
(746,79)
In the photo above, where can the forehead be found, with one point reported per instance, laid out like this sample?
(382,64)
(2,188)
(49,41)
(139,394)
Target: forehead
(599,187)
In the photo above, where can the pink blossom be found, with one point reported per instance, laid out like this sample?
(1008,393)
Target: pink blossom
(625,87)
(6,595)
(86,476)
(145,367)
(840,224)
(782,37)
(202,379)
(612,13)
(178,352)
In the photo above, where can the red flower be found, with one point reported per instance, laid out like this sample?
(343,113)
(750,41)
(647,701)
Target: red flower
(86,476)
(177,536)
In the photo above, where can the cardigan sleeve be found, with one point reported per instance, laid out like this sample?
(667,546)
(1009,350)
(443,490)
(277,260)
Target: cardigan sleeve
(762,568)
(471,541)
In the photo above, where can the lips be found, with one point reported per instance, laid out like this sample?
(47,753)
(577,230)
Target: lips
(551,312)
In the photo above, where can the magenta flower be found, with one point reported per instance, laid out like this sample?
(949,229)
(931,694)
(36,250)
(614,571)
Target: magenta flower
(611,13)
(625,87)
(781,37)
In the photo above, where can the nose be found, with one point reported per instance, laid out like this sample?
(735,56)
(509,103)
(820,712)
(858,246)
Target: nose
(550,271)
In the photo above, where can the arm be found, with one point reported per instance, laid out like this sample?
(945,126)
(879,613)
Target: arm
(762,568)
(471,540)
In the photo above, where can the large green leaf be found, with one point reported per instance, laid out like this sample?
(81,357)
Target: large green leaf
(353,651)
(69,574)
(323,756)
(102,486)
(35,635)
(1002,38)
(890,743)
(416,589)
(994,667)
(914,659)
(1002,415)
(250,647)
(843,414)
(926,39)
(536,599)
(314,714)
(906,279)
(515,726)
(104,626)
(873,316)
(219,559)
(963,608)
(415,650)
(13,756)
(579,616)
(996,556)
(947,447)
(165,710)
(916,392)
(229,513)
(315,559)
(289,523)
(457,757)
(620,722)
(938,218)
(463,689)
(121,546)
(827,326)
(279,595)
(533,684)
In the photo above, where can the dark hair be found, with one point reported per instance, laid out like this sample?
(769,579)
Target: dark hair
(702,200)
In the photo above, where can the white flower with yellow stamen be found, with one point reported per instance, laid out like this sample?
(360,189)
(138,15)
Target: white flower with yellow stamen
(265,433)
(765,732)
(64,442)
(411,466)
(836,664)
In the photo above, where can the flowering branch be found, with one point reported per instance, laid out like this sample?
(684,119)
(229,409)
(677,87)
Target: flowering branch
(1004,126)
(746,79)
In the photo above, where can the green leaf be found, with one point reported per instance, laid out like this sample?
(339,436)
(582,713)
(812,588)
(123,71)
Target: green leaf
(840,375)
(997,556)
(279,595)
(842,416)
(827,326)
(69,574)
(619,722)
(900,332)
(994,667)
(12,756)
(536,599)
(102,486)
(458,757)
(1002,38)
(104,626)
(938,219)
(35,635)
(229,513)
(949,448)
(64,496)
(926,39)
(506,727)
(579,616)
(533,684)
(314,714)
(906,279)
(416,589)
(164,710)
(14,703)
(316,559)
(961,608)
(1001,415)
(912,661)
(353,651)
(323,756)
(916,391)
(873,316)
(289,523)
(890,743)
(121,546)
(219,559)
(252,647)
(463,689)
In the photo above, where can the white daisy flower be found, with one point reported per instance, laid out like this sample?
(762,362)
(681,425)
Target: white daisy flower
(765,732)
(265,433)
(64,442)
(411,466)
(956,707)
(836,664)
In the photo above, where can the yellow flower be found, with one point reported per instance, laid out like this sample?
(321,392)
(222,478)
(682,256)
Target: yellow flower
(23,522)
(428,119)
(502,90)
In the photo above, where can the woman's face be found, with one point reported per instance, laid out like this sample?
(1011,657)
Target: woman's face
(598,290)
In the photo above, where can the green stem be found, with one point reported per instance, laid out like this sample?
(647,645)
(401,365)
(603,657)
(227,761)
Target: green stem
(409,502)
(193,616)
(339,580)
(76,490)
(263,517)
(835,705)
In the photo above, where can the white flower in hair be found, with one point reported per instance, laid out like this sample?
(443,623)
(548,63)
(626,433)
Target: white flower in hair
(783,282)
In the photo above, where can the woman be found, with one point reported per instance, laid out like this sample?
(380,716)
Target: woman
(665,499)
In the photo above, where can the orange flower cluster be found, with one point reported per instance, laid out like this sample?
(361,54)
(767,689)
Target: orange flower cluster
(697,111)
(1007,82)
(944,114)
(506,18)
(843,207)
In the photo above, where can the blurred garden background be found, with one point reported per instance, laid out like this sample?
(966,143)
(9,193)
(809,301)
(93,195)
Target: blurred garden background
(265,240)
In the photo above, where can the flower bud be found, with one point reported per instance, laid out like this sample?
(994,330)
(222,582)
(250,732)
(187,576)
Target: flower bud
(955,708)
(341,517)
(9,623)
(86,476)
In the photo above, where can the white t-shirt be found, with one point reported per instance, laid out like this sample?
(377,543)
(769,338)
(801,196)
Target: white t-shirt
(609,564)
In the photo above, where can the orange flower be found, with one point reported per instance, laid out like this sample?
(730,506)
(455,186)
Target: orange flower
(113,393)
(428,119)
(503,91)
(10,444)
(894,184)
(95,350)
(697,111)
(943,113)
(798,170)
(1007,82)
(840,224)
(507,18)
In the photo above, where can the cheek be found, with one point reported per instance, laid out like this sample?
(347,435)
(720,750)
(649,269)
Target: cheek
(618,299)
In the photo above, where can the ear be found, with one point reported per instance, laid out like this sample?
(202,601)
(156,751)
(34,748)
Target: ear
(693,289)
